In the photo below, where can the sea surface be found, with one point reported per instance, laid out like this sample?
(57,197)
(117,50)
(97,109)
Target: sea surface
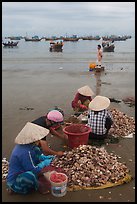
(76,56)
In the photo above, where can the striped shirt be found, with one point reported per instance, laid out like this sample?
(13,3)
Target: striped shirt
(97,121)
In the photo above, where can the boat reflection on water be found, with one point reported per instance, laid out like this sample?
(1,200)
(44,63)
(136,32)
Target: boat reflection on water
(98,82)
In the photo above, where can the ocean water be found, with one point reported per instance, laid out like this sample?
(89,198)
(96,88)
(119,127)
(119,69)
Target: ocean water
(75,56)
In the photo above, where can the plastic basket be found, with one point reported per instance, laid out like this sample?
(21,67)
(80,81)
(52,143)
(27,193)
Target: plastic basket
(78,134)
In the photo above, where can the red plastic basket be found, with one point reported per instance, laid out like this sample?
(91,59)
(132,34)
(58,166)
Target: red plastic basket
(78,134)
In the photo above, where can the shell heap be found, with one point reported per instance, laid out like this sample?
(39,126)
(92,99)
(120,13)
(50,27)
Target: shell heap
(5,167)
(90,166)
(123,124)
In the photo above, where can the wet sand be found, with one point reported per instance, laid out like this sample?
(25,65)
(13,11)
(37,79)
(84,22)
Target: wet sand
(26,95)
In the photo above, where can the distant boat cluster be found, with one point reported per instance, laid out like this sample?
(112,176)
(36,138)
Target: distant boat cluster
(116,38)
(71,38)
(56,43)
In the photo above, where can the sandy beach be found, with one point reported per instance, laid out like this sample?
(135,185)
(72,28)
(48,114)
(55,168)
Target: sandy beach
(26,95)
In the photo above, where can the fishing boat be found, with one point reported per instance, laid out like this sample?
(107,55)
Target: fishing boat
(10,44)
(73,38)
(56,46)
(70,39)
(33,39)
(90,38)
(108,46)
(15,37)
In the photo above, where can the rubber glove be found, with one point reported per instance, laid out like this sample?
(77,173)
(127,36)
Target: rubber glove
(44,163)
(37,152)
(43,157)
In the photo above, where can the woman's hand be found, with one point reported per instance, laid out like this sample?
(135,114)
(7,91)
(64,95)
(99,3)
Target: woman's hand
(83,107)
(60,153)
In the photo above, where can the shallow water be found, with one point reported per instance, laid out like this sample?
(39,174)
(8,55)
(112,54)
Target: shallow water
(76,56)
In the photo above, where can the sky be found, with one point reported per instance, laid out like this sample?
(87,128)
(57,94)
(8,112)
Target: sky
(68,18)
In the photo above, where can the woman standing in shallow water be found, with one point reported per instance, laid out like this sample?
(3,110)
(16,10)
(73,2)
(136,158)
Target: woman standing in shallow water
(99,55)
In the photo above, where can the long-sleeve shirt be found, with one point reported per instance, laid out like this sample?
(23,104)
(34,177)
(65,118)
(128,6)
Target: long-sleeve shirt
(97,121)
(23,158)
(41,121)
(81,98)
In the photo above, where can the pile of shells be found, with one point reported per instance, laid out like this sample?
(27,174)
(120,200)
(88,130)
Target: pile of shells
(123,125)
(90,166)
(5,166)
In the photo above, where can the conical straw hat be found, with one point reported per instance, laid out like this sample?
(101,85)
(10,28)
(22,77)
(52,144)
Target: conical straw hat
(99,103)
(86,91)
(31,133)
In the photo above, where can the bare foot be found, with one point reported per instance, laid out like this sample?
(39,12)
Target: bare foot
(10,191)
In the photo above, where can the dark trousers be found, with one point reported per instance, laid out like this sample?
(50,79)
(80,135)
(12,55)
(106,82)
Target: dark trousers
(108,124)
(96,136)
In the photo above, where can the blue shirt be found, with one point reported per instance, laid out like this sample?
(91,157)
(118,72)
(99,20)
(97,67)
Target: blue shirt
(23,158)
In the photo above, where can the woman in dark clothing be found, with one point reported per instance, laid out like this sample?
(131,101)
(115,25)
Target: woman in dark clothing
(52,121)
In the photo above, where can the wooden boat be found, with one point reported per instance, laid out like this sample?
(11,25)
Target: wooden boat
(47,39)
(70,39)
(108,46)
(73,38)
(99,68)
(90,38)
(15,38)
(56,46)
(33,39)
(10,44)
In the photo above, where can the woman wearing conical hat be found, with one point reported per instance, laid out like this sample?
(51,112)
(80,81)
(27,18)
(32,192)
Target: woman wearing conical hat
(27,160)
(99,118)
(99,55)
(82,99)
